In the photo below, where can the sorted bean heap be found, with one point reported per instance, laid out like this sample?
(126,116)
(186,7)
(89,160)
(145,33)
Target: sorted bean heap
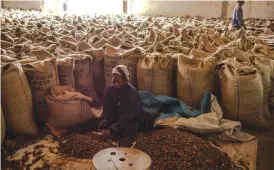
(172,149)
(168,149)
(83,145)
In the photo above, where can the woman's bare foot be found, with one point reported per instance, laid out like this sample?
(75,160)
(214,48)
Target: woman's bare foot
(56,132)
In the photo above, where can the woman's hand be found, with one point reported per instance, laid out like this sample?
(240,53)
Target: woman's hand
(103,124)
(107,135)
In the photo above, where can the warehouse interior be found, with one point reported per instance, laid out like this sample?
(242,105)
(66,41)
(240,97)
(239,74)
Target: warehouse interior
(137,84)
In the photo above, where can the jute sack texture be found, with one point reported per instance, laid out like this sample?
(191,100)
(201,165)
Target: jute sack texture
(98,71)
(65,71)
(194,79)
(42,75)
(17,101)
(154,74)
(67,107)
(242,94)
(115,56)
(83,76)
(265,69)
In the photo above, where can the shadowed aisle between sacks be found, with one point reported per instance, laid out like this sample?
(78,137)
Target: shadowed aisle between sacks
(265,147)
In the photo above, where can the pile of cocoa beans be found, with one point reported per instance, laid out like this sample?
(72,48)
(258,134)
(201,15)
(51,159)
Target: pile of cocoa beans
(169,149)
(83,145)
(173,149)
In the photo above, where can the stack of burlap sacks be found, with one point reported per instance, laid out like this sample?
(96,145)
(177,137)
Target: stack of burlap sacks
(168,56)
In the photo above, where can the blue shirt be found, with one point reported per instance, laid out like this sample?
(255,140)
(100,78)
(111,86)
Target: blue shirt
(237,17)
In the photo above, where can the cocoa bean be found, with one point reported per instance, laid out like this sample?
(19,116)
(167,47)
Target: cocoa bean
(173,149)
(83,145)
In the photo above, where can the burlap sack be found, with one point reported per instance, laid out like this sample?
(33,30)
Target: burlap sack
(63,53)
(167,40)
(194,79)
(23,40)
(121,34)
(41,54)
(105,35)
(67,44)
(18,48)
(175,42)
(7,37)
(94,40)
(205,45)
(222,53)
(41,76)
(217,40)
(234,34)
(177,49)
(98,71)
(69,28)
(199,54)
(17,101)
(68,38)
(82,46)
(185,36)
(176,32)
(101,43)
(115,41)
(83,76)
(225,39)
(7,59)
(265,69)
(45,30)
(115,56)
(51,48)
(65,71)
(3,127)
(80,35)
(66,108)
(242,94)
(151,36)
(6,44)
(28,36)
(244,43)
(261,49)
(154,74)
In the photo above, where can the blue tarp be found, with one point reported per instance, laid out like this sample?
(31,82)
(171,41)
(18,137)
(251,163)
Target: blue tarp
(172,107)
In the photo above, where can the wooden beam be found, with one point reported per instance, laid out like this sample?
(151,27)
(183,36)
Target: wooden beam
(224,9)
(125,10)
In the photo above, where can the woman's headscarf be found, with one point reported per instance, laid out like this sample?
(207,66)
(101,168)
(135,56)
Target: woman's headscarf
(122,70)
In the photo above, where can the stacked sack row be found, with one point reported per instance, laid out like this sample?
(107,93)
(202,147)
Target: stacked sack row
(40,52)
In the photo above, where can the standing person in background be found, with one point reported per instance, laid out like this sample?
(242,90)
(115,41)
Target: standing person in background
(42,6)
(237,17)
(65,5)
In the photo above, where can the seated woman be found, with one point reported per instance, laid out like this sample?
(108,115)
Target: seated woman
(123,115)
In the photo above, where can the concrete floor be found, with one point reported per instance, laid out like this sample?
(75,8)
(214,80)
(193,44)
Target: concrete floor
(265,153)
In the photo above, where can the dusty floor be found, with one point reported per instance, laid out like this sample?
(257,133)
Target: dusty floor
(265,153)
